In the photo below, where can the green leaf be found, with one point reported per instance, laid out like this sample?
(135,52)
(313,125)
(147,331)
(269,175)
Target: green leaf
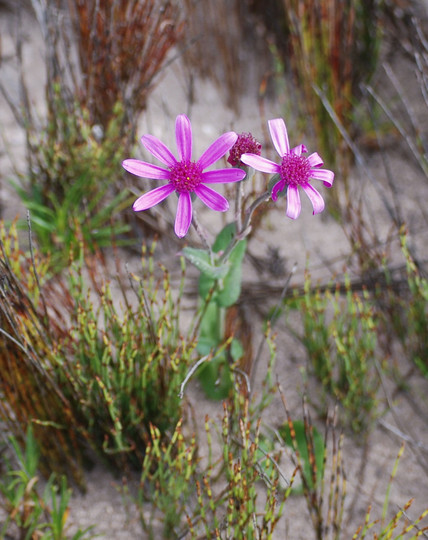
(201,259)
(302,447)
(231,287)
(205,285)
(236,350)
(224,237)
(209,331)
(216,378)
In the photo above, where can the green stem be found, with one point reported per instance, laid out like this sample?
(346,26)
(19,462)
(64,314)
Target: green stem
(245,229)
(202,234)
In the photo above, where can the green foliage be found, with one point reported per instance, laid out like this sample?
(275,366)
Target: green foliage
(219,288)
(416,312)
(167,481)
(339,334)
(34,515)
(311,450)
(31,324)
(69,186)
(200,258)
(335,47)
(126,376)
(213,490)
(229,507)
(320,464)
(225,277)
(94,372)
(408,529)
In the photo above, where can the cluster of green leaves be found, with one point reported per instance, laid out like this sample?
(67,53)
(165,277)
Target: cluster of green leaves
(68,190)
(85,370)
(211,491)
(218,500)
(339,334)
(29,393)
(122,365)
(402,297)
(219,288)
(415,312)
(409,529)
(167,481)
(25,510)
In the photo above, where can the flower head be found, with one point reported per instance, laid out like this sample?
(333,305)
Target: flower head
(245,144)
(184,176)
(295,170)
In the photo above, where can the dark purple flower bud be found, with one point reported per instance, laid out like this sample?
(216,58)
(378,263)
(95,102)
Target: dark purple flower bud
(245,144)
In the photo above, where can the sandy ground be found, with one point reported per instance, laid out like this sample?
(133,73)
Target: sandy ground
(368,464)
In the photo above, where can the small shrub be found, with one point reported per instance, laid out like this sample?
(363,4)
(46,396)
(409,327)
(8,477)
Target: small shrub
(339,334)
(409,529)
(122,366)
(334,49)
(68,190)
(28,513)
(83,385)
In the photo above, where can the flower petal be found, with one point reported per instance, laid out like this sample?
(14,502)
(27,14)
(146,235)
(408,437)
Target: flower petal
(211,198)
(297,150)
(279,135)
(217,149)
(315,198)
(260,163)
(153,197)
(145,170)
(323,174)
(183,135)
(293,202)
(315,160)
(279,186)
(184,215)
(222,176)
(158,149)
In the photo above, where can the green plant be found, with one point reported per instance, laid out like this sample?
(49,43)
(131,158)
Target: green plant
(34,515)
(69,187)
(319,462)
(416,311)
(31,323)
(228,501)
(410,528)
(167,480)
(126,376)
(219,288)
(208,490)
(339,334)
(82,385)
(335,46)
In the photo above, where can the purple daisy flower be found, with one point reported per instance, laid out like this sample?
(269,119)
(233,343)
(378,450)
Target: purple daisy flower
(295,170)
(184,176)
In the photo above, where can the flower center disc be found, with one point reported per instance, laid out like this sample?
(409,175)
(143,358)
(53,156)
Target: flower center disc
(295,170)
(185,176)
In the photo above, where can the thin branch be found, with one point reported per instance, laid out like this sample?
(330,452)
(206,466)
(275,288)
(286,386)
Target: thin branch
(190,373)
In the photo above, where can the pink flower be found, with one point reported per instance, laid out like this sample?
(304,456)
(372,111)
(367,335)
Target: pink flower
(184,176)
(245,143)
(295,170)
